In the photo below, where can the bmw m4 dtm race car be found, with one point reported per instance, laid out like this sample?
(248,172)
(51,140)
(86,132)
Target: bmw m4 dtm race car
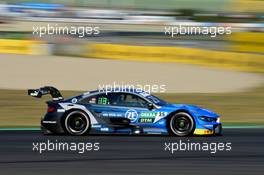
(129,111)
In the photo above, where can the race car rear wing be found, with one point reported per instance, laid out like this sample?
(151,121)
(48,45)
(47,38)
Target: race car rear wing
(55,93)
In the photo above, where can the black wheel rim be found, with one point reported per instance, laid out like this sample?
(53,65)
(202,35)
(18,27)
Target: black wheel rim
(181,125)
(77,123)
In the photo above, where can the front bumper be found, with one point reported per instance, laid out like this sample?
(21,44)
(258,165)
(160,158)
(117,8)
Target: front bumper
(215,130)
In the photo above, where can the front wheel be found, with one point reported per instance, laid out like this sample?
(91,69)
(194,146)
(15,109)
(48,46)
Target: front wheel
(77,123)
(181,124)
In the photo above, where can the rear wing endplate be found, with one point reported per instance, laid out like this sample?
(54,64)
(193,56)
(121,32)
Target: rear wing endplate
(55,93)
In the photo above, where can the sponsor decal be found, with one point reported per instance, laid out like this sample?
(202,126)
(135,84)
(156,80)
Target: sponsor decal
(132,115)
(86,93)
(146,120)
(111,114)
(49,121)
(92,100)
(34,94)
(144,94)
(151,117)
(104,129)
(74,100)
(60,110)
(152,114)
(96,126)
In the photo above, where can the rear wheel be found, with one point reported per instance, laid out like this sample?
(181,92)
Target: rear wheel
(181,124)
(77,123)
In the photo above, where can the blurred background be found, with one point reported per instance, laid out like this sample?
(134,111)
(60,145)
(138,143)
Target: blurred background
(224,73)
(136,22)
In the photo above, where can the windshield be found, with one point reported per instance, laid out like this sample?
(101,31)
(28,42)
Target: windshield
(156,100)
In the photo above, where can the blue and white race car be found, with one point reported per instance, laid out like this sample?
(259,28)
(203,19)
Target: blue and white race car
(129,111)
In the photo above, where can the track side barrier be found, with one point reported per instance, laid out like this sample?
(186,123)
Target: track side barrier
(221,59)
(29,47)
(252,42)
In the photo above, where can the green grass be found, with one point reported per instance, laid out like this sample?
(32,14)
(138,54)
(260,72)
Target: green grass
(17,109)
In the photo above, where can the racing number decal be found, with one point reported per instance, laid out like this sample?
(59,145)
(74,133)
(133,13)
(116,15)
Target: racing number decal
(103,101)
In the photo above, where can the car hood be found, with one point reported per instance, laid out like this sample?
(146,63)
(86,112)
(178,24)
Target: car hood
(196,110)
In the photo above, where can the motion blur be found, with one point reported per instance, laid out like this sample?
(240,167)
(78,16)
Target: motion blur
(134,29)
(210,49)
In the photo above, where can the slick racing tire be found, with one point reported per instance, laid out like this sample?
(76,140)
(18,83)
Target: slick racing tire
(77,123)
(181,124)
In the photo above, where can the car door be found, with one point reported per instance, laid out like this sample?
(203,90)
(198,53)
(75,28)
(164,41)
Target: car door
(120,105)
(128,106)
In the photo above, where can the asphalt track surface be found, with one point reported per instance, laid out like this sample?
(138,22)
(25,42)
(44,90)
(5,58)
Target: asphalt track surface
(71,73)
(132,155)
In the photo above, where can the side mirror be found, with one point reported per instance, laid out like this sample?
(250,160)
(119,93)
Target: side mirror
(150,106)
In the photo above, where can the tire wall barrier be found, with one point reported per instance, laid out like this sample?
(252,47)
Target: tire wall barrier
(221,59)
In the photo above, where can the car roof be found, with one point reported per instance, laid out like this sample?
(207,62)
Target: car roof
(120,90)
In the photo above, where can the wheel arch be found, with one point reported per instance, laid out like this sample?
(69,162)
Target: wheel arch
(178,111)
(62,121)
